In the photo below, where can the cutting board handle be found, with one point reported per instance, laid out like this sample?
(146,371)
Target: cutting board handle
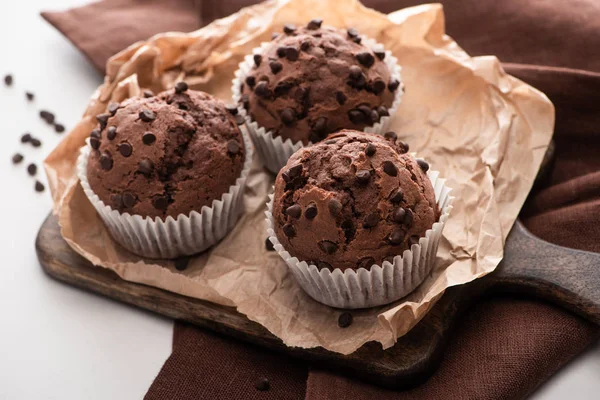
(567,277)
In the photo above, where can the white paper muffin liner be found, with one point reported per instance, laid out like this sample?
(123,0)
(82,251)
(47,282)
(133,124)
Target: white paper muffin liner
(273,150)
(381,284)
(172,237)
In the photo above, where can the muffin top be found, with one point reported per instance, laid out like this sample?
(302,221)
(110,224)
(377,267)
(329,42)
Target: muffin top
(165,155)
(352,201)
(311,81)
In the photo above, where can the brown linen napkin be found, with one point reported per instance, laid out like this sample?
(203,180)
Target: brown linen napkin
(505,347)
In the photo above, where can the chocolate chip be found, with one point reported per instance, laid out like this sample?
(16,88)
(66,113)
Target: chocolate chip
(262,384)
(285,177)
(233,147)
(112,108)
(17,158)
(403,146)
(282,88)
(125,149)
(314,24)
(335,207)
(365,58)
(393,85)
(327,246)
(275,66)
(116,200)
(146,166)
(423,164)
(323,265)
(317,34)
(363,176)
(397,196)
(239,120)
(269,245)
(352,32)
(8,80)
(331,141)
(262,89)
(289,230)
(294,211)
(95,142)
(414,239)
(148,138)
(371,220)
(288,116)
(373,116)
(398,215)
(274,35)
(357,40)
(304,46)
(250,81)
(246,101)
(111,132)
(383,112)
(370,150)
(47,116)
(182,263)
(128,200)
(378,86)
(408,219)
(281,52)
(380,54)
(35,142)
(341,98)
(397,236)
(148,93)
(356,117)
(30,96)
(160,202)
(147,115)
(106,161)
(59,128)
(102,120)
(32,169)
(320,125)
(390,136)
(311,211)
(26,138)
(288,29)
(295,171)
(345,320)
(257,60)
(232,109)
(291,53)
(366,262)
(355,72)
(39,186)
(365,110)
(390,168)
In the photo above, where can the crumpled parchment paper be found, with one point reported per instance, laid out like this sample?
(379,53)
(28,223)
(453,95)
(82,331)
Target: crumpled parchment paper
(483,129)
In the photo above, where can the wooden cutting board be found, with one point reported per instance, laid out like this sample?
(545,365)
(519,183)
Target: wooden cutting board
(569,278)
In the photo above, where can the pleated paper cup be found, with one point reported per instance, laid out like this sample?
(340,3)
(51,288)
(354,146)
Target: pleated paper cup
(380,284)
(273,150)
(171,237)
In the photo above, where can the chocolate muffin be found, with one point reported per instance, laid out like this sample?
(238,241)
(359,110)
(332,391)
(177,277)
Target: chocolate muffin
(165,155)
(352,201)
(313,80)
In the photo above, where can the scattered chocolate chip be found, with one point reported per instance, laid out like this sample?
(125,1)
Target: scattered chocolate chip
(341,98)
(32,169)
(239,120)
(39,186)
(304,46)
(106,161)
(378,86)
(317,34)
(423,164)
(414,239)
(382,111)
(357,40)
(380,55)
(331,141)
(295,171)
(281,52)
(246,101)
(288,29)
(365,58)
(373,116)
(320,125)
(117,201)
(371,220)
(112,108)
(146,167)
(327,246)
(355,72)
(35,142)
(335,207)
(26,138)
(125,149)
(370,150)
(269,245)
(148,93)
(314,24)
(282,88)
(397,236)
(393,85)
(363,176)
(233,147)
(160,202)
(398,215)
(323,265)
(275,66)
(102,120)
(232,109)
(17,158)
(285,177)
(47,116)
(94,142)
(356,117)
(294,211)
(181,87)
(96,133)
(111,132)
(257,60)
(262,384)
(250,81)
(8,80)
(352,32)
(30,96)
(390,168)
(345,320)
(59,128)
(408,219)
(148,138)
(291,53)
(262,89)
(128,200)
(311,211)
(404,146)
(365,262)
(390,136)
(182,263)
(397,196)
(289,230)
(288,116)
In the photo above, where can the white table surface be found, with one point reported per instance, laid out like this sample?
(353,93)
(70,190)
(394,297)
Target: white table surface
(58,342)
